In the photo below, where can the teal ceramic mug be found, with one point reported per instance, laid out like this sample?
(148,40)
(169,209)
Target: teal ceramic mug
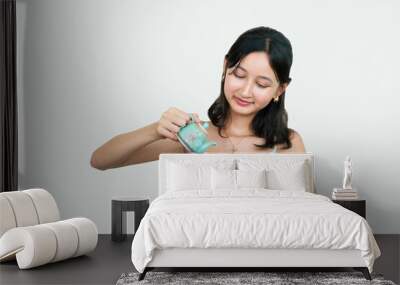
(193,136)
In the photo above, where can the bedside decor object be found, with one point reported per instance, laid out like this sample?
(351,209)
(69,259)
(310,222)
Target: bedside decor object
(32,233)
(357,206)
(347,173)
(346,192)
(194,138)
(121,205)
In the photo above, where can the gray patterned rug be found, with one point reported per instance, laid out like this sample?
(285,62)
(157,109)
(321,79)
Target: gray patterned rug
(229,278)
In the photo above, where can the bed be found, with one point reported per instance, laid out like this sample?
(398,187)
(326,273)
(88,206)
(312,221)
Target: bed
(245,211)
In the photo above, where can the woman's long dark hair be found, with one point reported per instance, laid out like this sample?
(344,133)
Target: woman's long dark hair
(270,122)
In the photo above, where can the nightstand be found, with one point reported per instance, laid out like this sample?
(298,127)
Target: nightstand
(357,206)
(119,207)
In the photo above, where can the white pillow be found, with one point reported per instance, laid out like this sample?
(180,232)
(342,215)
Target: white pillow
(251,178)
(185,175)
(290,178)
(282,174)
(223,179)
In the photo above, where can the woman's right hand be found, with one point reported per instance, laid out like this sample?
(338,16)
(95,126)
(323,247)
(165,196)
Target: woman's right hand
(171,121)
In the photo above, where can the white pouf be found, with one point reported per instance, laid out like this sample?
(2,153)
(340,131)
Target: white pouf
(31,233)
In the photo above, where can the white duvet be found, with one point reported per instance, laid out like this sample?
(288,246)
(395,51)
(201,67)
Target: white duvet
(251,218)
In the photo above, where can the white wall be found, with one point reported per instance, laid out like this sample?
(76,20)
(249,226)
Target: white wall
(89,70)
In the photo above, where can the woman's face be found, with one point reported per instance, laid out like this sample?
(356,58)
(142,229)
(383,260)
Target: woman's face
(254,82)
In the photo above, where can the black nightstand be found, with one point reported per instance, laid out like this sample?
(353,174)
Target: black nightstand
(357,206)
(119,207)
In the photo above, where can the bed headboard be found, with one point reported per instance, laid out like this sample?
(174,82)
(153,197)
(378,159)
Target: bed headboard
(210,157)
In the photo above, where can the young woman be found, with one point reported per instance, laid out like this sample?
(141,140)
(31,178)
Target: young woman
(248,116)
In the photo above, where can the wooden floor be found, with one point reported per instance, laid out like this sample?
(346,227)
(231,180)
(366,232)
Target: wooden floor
(111,259)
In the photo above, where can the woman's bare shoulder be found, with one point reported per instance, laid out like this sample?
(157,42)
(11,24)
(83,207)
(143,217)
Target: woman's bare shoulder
(297,144)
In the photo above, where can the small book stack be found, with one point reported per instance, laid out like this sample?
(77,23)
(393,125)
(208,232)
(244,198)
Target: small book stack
(344,194)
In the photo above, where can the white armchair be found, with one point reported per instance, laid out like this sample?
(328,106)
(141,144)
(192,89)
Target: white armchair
(32,233)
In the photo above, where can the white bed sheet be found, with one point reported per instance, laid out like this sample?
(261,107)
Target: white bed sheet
(250,218)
